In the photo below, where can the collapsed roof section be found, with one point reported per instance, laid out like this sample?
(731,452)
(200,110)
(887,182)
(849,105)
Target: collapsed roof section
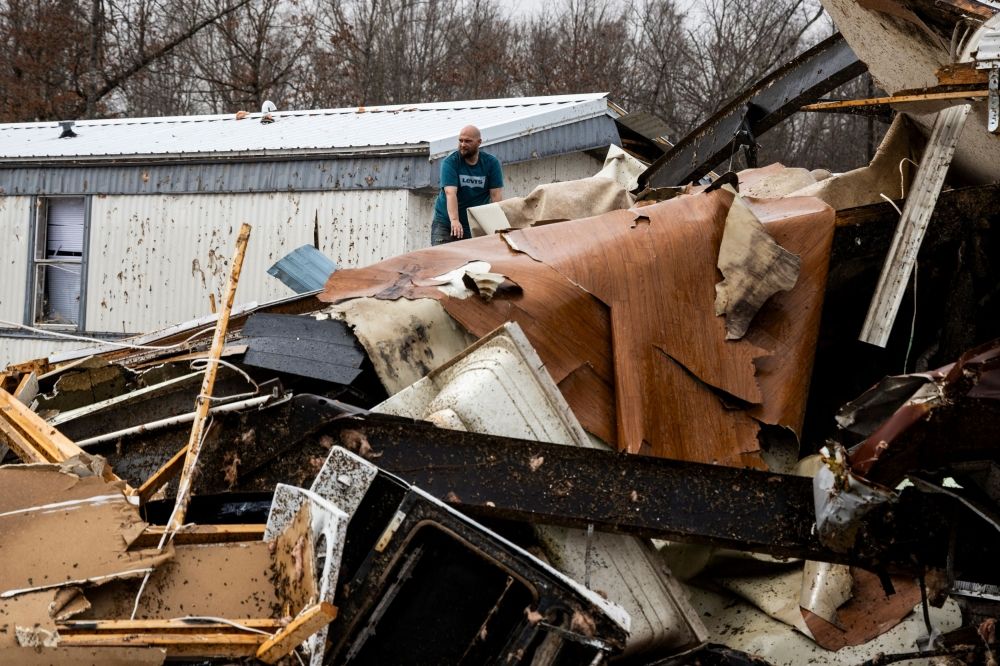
(632,340)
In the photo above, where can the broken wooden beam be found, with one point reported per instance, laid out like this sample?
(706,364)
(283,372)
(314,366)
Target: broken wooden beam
(180,638)
(743,509)
(33,440)
(203,401)
(930,96)
(307,623)
(202,534)
(962,74)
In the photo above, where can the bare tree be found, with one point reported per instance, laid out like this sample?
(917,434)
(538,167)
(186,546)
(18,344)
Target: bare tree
(583,47)
(67,60)
(249,55)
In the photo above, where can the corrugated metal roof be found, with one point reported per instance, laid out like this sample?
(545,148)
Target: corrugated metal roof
(431,129)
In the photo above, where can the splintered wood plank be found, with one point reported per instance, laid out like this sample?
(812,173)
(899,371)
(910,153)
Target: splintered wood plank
(962,73)
(307,623)
(203,402)
(203,534)
(897,99)
(35,440)
(162,476)
(232,645)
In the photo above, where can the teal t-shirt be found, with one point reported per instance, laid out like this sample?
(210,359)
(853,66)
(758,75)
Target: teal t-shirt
(474,183)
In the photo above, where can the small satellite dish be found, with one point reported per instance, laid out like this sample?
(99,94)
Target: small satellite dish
(268,106)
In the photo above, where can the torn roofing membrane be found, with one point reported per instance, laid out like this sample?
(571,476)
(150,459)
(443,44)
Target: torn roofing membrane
(620,308)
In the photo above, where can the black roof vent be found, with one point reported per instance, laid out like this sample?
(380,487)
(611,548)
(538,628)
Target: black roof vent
(67,126)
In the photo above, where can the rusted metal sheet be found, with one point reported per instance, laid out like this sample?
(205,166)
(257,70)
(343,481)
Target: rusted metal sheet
(754,111)
(716,505)
(949,421)
(620,308)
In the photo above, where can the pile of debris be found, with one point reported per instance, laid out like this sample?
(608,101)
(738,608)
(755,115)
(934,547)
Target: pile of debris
(627,422)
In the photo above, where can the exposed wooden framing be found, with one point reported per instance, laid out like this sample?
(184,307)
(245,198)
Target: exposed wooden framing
(182,638)
(898,99)
(962,74)
(198,534)
(162,476)
(27,388)
(35,441)
(307,623)
(179,640)
(912,224)
(110,627)
(203,402)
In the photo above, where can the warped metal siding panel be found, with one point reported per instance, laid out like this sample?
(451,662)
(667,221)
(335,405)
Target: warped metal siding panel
(155,260)
(346,173)
(21,349)
(15,229)
(520,179)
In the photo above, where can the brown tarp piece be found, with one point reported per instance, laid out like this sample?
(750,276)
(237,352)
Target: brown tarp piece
(868,614)
(620,308)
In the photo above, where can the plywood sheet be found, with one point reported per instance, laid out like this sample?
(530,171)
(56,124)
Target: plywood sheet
(231,580)
(58,528)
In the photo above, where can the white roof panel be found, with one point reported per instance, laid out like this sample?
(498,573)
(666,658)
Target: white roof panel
(426,127)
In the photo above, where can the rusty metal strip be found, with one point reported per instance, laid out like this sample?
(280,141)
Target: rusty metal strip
(743,509)
(766,103)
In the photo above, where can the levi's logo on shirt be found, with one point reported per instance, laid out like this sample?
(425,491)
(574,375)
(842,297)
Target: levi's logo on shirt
(471,181)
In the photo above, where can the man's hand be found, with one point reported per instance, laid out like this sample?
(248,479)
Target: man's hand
(456,229)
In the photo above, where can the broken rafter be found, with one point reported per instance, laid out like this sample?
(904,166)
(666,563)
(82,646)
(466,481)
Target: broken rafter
(307,623)
(35,441)
(728,507)
(179,638)
(766,103)
(896,99)
(204,397)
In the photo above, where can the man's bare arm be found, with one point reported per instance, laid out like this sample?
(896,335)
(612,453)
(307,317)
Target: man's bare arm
(496,194)
(451,199)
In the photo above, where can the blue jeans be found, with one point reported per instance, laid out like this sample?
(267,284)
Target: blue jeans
(441,233)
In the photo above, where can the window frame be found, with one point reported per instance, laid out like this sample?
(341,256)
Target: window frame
(36,259)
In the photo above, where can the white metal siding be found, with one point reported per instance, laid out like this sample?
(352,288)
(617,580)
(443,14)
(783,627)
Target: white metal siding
(154,260)
(19,350)
(15,227)
(519,179)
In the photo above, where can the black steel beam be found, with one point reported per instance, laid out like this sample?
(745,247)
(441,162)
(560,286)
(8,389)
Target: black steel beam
(652,497)
(805,79)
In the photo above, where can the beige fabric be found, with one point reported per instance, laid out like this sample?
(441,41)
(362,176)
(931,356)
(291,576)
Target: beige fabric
(866,185)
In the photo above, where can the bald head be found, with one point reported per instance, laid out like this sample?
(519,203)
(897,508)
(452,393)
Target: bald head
(468,143)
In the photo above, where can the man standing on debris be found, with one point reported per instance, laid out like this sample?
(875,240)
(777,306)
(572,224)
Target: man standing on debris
(469,177)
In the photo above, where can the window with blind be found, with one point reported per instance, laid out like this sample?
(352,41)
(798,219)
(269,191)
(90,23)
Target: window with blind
(60,234)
